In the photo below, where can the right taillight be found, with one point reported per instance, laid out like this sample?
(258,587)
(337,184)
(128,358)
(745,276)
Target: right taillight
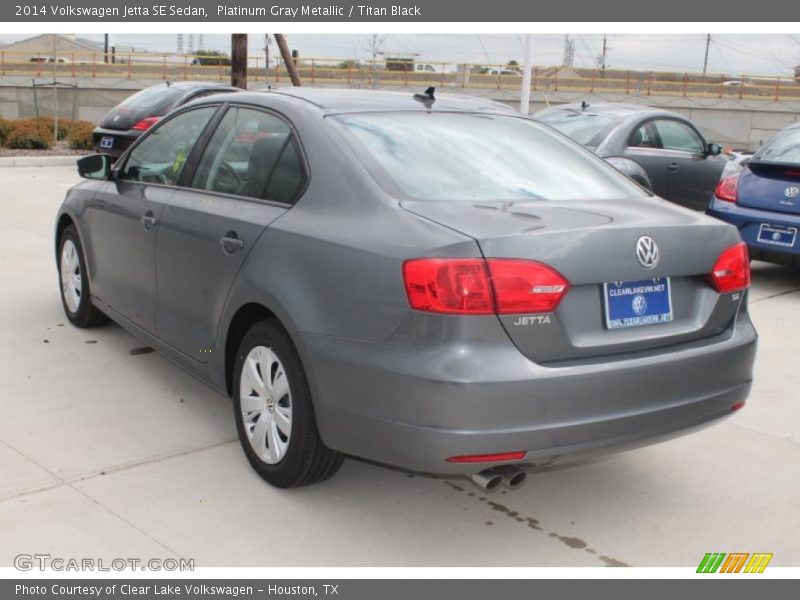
(731,272)
(727,188)
(476,286)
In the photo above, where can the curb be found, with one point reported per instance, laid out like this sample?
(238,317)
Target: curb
(37,161)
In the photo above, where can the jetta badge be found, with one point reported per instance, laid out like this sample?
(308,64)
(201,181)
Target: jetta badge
(647,252)
(791,191)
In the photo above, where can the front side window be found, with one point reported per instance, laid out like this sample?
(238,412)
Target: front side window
(161,156)
(675,135)
(480,157)
(252,153)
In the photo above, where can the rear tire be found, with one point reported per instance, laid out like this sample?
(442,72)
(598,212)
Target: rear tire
(76,297)
(274,411)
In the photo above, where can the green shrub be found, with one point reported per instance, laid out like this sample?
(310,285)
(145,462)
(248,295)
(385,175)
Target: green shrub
(28,135)
(5,128)
(79,135)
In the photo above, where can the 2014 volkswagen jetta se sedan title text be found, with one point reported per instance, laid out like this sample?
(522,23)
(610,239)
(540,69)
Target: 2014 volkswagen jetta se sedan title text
(437,283)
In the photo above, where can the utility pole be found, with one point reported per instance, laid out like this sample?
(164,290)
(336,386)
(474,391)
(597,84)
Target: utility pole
(105,48)
(286,55)
(239,60)
(603,58)
(705,60)
(525,96)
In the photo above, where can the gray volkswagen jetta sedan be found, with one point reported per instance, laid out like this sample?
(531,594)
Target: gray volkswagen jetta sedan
(436,283)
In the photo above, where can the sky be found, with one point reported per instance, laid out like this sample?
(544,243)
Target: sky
(773,54)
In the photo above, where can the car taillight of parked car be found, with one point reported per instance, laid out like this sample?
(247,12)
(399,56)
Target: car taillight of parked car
(731,272)
(146,123)
(477,286)
(727,188)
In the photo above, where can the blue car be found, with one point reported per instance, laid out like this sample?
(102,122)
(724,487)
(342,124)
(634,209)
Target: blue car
(762,199)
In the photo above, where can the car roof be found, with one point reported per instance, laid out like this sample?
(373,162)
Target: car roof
(333,101)
(619,110)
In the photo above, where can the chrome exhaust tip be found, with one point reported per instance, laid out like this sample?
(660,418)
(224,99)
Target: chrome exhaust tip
(489,480)
(512,476)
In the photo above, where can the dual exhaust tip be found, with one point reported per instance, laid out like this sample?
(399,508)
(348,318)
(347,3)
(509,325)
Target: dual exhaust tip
(489,480)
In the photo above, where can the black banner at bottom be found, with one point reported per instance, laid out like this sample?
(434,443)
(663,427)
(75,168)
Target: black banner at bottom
(728,587)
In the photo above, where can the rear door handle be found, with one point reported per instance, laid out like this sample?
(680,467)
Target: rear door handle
(231,243)
(148,221)
(673,166)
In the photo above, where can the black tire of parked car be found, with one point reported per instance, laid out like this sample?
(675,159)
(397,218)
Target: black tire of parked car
(87,315)
(307,460)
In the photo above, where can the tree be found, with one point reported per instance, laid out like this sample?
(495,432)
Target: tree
(211,57)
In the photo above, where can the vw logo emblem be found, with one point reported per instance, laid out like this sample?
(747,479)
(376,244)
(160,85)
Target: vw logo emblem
(791,191)
(639,305)
(647,252)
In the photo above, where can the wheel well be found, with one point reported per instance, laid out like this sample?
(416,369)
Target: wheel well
(64,221)
(244,318)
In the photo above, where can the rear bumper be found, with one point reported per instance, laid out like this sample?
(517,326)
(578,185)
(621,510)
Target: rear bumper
(414,406)
(749,220)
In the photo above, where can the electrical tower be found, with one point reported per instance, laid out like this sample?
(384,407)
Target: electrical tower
(180,43)
(569,52)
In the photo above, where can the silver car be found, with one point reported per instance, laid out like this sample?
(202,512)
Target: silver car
(436,283)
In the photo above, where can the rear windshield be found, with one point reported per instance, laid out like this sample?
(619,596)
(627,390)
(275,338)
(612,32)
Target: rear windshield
(153,97)
(783,148)
(588,129)
(468,157)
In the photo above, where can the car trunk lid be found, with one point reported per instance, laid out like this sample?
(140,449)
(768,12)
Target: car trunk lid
(592,243)
(770,186)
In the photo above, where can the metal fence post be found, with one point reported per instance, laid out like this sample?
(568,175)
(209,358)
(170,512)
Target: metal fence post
(778,89)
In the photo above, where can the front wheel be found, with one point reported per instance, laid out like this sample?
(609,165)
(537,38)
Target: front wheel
(274,412)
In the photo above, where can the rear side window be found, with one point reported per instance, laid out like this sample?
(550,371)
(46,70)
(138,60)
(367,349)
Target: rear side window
(783,148)
(588,129)
(161,155)
(254,154)
(480,157)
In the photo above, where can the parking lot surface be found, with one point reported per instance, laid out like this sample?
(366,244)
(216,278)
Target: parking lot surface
(109,451)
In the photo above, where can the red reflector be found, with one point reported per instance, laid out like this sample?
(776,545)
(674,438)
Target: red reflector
(737,406)
(146,123)
(474,286)
(449,285)
(481,458)
(731,273)
(525,286)
(727,189)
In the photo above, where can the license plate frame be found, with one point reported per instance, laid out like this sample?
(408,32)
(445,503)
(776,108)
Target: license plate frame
(637,302)
(786,236)
(107,142)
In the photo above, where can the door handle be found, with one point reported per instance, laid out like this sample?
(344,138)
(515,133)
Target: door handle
(673,166)
(148,221)
(231,243)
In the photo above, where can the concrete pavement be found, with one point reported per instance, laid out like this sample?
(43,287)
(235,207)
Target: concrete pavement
(105,453)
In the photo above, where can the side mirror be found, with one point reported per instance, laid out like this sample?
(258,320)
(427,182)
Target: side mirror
(714,149)
(94,166)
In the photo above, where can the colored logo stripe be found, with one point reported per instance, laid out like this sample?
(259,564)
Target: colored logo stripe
(734,562)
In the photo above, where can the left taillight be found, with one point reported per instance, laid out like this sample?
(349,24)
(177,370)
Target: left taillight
(476,286)
(731,272)
(728,188)
(146,123)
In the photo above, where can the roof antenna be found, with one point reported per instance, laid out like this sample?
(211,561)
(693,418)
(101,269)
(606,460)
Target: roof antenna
(584,105)
(427,98)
